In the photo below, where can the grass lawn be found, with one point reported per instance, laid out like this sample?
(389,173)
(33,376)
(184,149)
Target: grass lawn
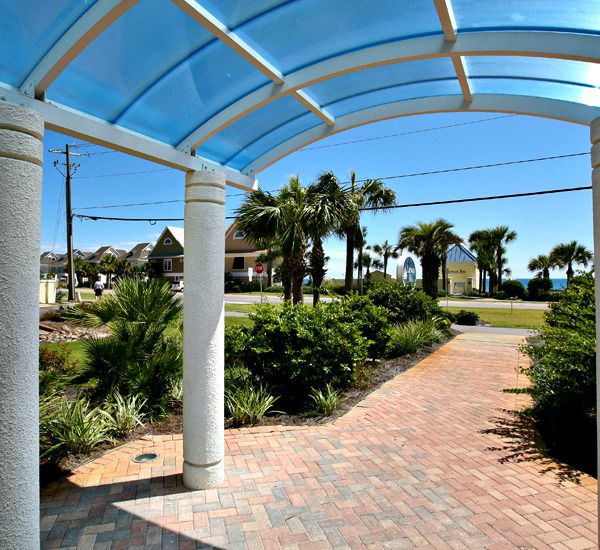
(246,308)
(518,318)
(75,349)
(86,294)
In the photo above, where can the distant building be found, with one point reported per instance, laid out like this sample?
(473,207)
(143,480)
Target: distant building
(461,271)
(138,255)
(167,256)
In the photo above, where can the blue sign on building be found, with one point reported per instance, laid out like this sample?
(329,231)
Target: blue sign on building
(409,272)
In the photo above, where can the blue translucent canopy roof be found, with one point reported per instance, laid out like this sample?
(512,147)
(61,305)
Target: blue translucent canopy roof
(240,83)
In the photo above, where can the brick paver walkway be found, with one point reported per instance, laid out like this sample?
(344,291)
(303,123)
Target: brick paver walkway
(430,460)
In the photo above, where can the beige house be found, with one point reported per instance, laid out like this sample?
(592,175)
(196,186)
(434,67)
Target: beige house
(166,258)
(461,271)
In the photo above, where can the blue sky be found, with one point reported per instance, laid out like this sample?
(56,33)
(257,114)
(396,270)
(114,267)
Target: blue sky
(540,222)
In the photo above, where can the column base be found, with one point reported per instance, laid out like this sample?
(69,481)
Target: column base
(203,477)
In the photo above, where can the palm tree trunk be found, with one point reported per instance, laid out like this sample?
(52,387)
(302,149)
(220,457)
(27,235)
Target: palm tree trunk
(286,280)
(444,278)
(385,262)
(499,260)
(569,273)
(317,268)
(431,268)
(349,260)
(297,269)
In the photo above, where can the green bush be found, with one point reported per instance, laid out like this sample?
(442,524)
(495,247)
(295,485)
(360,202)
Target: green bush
(538,288)
(563,374)
(300,347)
(464,317)
(247,404)
(71,427)
(412,336)
(514,289)
(371,320)
(123,414)
(403,302)
(56,369)
(442,293)
(326,401)
(236,340)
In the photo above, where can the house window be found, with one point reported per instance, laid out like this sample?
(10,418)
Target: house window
(239,235)
(238,262)
(167,264)
(168,241)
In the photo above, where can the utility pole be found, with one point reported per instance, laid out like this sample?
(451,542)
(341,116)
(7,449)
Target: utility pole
(70,263)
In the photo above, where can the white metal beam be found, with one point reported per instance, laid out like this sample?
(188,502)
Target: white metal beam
(313,106)
(548,108)
(446,15)
(95,20)
(220,30)
(549,44)
(77,124)
(463,78)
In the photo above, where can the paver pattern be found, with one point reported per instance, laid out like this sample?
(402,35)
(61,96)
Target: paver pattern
(430,460)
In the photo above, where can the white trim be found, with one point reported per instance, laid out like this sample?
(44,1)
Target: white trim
(228,37)
(165,243)
(447,20)
(169,262)
(497,103)
(93,21)
(314,107)
(251,254)
(75,123)
(557,45)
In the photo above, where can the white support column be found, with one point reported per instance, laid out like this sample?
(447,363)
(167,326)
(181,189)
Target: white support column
(21,142)
(595,138)
(203,385)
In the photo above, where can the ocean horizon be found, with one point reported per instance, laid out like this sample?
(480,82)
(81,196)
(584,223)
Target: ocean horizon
(557,284)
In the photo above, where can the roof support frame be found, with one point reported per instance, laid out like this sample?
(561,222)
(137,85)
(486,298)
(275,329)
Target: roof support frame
(95,20)
(463,78)
(313,106)
(447,20)
(62,119)
(502,103)
(548,44)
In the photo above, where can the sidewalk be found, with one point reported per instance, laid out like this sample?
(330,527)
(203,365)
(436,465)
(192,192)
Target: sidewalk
(435,458)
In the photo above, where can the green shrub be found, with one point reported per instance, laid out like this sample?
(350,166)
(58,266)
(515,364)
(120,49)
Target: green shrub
(464,317)
(237,377)
(299,347)
(72,427)
(403,302)
(326,401)
(538,288)
(442,293)
(563,374)
(247,404)
(123,414)
(514,289)
(236,340)
(411,336)
(371,320)
(56,369)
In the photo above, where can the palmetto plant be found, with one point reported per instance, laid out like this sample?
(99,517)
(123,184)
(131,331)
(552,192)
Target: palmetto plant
(570,254)
(247,404)
(123,414)
(426,240)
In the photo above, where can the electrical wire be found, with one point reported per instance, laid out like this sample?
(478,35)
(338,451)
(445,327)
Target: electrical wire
(125,173)
(128,204)
(409,133)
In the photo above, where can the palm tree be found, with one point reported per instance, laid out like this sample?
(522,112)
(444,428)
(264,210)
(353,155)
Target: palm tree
(328,205)
(569,254)
(500,236)
(426,240)
(386,251)
(370,194)
(367,262)
(108,265)
(542,264)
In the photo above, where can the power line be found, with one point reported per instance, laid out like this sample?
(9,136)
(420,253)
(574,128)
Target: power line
(125,173)
(153,221)
(412,132)
(128,204)
(474,199)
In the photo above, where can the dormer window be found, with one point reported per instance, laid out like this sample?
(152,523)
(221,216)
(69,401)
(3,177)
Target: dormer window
(239,235)
(168,241)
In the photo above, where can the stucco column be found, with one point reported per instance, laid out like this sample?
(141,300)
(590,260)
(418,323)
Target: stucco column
(203,385)
(595,138)
(21,141)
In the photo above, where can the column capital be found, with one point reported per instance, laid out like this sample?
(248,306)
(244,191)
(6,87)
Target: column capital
(204,186)
(21,119)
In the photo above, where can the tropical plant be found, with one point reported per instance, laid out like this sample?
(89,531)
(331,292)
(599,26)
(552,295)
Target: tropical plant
(123,414)
(108,265)
(403,303)
(428,240)
(489,246)
(74,427)
(541,266)
(501,236)
(247,404)
(412,336)
(514,289)
(56,369)
(366,261)
(566,255)
(386,250)
(539,288)
(326,401)
(139,357)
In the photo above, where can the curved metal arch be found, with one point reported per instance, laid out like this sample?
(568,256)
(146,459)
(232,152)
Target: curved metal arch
(93,21)
(578,47)
(498,103)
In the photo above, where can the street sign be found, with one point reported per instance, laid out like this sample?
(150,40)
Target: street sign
(259,268)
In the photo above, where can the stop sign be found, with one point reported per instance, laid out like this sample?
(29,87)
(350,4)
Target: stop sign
(259,268)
